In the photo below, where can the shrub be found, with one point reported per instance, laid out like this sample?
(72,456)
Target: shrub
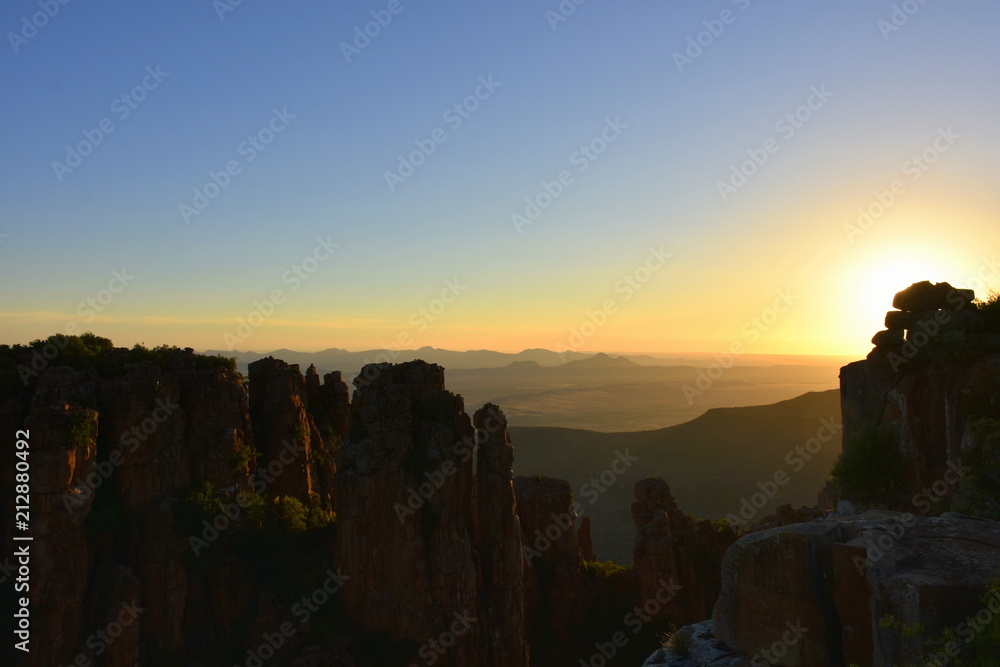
(164,355)
(870,468)
(977,645)
(989,308)
(981,484)
(293,517)
(676,641)
(603,569)
(79,427)
(243,456)
(199,504)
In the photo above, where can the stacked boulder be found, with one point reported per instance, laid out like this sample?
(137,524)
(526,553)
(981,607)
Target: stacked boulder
(924,310)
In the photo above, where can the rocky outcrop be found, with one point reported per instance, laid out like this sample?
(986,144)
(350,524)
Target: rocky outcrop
(671,547)
(844,590)
(428,538)
(814,594)
(882,587)
(700,649)
(555,601)
(924,389)
(63,447)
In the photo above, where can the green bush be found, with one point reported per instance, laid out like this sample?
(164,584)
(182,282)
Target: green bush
(243,456)
(293,517)
(977,645)
(201,503)
(870,468)
(603,569)
(989,308)
(981,484)
(79,427)
(163,355)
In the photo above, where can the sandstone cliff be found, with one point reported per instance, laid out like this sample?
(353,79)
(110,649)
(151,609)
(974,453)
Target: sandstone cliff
(671,547)
(428,533)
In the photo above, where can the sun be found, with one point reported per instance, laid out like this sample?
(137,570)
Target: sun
(876,281)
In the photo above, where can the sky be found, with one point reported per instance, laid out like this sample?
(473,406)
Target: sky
(635,176)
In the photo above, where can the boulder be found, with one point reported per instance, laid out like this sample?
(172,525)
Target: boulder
(889,337)
(897,319)
(926,295)
(813,594)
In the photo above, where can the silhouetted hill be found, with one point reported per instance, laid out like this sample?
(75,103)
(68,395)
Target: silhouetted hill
(711,462)
(602,361)
(351,362)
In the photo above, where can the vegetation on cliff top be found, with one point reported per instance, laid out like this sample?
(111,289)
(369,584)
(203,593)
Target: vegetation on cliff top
(989,308)
(21,365)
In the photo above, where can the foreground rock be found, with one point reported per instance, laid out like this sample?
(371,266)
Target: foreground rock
(837,591)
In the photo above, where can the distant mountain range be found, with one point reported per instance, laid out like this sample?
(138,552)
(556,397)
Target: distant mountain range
(338,359)
(712,462)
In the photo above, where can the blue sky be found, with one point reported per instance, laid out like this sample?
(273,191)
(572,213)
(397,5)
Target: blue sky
(656,184)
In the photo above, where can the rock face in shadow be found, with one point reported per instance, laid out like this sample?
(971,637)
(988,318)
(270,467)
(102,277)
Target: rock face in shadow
(671,548)
(112,452)
(814,592)
(553,562)
(298,423)
(63,443)
(428,536)
(140,471)
(924,392)
(840,590)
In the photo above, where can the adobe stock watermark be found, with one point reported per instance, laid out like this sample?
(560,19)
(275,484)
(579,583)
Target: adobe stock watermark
(786,126)
(581,158)
(30,25)
(100,641)
(562,12)
(223,7)
(899,17)
(455,116)
(420,320)
(364,34)
(878,546)
(248,149)
(779,649)
(418,496)
(294,277)
(435,647)
(914,167)
(88,309)
(797,458)
(302,610)
(81,491)
(697,44)
(966,632)
(751,330)
(926,329)
(122,107)
(592,490)
(634,620)
(232,511)
(627,286)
